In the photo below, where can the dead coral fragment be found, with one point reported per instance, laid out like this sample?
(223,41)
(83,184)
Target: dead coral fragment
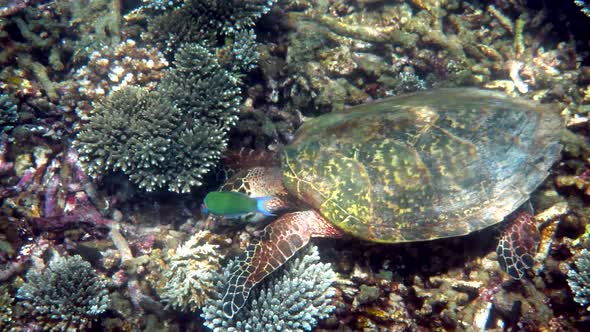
(387,34)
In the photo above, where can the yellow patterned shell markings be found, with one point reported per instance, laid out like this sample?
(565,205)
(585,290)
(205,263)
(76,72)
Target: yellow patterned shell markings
(401,187)
(337,186)
(370,182)
(430,165)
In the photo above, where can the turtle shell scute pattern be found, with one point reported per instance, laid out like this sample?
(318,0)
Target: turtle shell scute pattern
(429,165)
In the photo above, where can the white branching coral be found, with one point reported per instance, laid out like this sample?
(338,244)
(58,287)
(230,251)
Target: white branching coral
(190,275)
(294,299)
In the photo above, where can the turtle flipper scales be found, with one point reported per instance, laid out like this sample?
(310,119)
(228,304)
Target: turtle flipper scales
(278,242)
(518,245)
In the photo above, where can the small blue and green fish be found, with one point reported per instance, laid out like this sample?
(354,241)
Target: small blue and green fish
(232,204)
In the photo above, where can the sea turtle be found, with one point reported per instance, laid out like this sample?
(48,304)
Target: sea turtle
(417,167)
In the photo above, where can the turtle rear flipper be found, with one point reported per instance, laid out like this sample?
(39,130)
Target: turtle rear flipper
(278,242)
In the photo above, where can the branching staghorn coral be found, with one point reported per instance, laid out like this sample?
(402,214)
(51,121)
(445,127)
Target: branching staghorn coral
(294,299)
(128,132)
(168,138)
(69,294)
(200,87)
(208,97)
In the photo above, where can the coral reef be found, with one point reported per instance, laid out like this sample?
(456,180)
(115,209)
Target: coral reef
(53,193)
(6,301)
(48,34)
(207,94)
(53,28)
(190,275)
(58,59)
(67,295)
(131,132)
(341,53)
(579,279)
(295,299)
(168,138)
(240,56)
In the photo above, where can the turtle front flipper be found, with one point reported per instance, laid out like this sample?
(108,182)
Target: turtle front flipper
(518,245)
(278,242)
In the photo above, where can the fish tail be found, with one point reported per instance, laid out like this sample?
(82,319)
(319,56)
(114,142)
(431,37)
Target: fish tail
(261,205)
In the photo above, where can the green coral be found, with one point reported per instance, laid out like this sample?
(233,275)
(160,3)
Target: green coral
(295,299)
(130,132)
(67,295)
(171,137)
(241,56)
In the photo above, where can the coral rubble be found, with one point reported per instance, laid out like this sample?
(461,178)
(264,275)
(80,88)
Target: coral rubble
(376,48)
